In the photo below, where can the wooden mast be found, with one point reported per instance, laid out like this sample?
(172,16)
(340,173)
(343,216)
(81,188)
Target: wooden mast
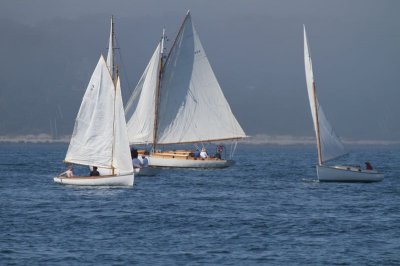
(317,121)
(161,66)
(157,100)
(114,77)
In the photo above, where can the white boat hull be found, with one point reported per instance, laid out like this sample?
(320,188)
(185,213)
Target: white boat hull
(188,163)
(147,171)
(341,173)
(117,180)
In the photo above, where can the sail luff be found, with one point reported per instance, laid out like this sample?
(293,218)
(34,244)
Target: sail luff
(308,64)
(329,145)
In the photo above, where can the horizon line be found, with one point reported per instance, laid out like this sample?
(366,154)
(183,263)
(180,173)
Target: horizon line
(260,139)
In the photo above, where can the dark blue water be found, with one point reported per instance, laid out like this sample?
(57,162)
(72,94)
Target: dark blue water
(265,210)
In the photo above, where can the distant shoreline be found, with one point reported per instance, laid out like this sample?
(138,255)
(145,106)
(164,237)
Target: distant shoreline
(283,140)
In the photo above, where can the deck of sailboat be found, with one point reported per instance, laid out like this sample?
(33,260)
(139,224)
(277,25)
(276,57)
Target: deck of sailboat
(179,154)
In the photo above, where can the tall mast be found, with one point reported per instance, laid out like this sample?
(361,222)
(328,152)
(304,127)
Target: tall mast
(161,65)
(157,100)
(111,48)
(114,75)
(307,56)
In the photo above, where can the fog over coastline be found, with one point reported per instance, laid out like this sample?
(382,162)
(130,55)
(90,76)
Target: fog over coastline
(49,49)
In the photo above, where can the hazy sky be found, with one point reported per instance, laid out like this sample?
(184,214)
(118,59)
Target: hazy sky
(49,49)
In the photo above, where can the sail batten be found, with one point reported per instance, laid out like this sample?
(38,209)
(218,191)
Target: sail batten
(329,144)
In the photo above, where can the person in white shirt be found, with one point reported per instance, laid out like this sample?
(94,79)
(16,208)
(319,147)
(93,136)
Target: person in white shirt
(203,154)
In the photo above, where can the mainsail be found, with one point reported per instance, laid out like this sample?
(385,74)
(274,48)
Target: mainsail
(191,104)
(99,137)
(330,146)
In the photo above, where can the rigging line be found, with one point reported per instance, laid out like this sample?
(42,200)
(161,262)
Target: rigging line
(125,74)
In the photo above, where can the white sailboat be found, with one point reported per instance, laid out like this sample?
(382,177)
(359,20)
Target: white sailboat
(178,100)
(329,145)
(100,135)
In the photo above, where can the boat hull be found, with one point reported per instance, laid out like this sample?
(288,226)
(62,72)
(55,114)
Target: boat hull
(116,180)
(341,173)
(158,161)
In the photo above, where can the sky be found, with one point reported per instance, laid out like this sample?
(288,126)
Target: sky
(49,49)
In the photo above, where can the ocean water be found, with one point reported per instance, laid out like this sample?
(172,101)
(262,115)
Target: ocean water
(265,210)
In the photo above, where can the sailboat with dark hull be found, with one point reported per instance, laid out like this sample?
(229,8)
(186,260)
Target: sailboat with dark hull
(329,146)
(177,101)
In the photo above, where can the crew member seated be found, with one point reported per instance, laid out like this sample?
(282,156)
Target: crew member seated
(203,154)
(94,172)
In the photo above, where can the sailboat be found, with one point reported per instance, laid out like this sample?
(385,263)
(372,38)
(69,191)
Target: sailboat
(100,135)
(329,146)
(178,100)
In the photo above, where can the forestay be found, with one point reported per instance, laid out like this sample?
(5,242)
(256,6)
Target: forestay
(331,146)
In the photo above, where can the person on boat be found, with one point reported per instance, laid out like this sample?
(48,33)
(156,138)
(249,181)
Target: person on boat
(69,172)
(368,166)
(136,163)
(145,161)
(203,153)
(218,154)
(134,153)
(94,172)
(196,154)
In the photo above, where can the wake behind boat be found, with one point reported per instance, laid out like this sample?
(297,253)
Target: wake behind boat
(329,145)
(100,137)
(178,100)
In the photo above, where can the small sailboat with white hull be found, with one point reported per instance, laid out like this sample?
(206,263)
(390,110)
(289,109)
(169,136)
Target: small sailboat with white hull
(179,101)
(329,146)
(100,136)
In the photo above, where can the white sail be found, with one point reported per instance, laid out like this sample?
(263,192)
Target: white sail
(91,139)
(331,146)
(121,153)
(110,54)
(192,107)
(140,108)
(99,137)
